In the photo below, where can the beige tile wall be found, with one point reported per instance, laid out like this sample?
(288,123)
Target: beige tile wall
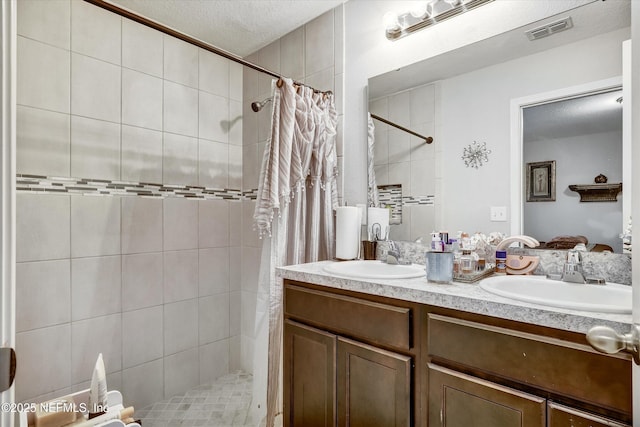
(401,158)
(153,284)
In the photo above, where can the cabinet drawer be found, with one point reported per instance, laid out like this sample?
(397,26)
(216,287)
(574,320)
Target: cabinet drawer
(547,364)
(367,320)
(559,415)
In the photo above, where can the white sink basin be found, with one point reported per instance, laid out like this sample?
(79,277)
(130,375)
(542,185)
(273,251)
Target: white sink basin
(609,298)
(374,270)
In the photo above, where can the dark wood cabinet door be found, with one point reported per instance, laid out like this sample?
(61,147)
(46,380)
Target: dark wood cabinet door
(309,376)
(563,416)
(373,385)
(459,400)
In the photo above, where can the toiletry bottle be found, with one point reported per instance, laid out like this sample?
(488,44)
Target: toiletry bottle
(436,243)
(455,248)
(501,262)
(467,263)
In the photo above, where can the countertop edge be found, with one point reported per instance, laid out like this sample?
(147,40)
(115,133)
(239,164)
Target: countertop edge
(458,296)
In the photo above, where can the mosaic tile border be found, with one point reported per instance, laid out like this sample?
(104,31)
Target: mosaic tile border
(103,187)
(391,195)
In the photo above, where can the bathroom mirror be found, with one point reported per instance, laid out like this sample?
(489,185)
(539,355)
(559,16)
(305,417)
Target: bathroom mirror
(463,100)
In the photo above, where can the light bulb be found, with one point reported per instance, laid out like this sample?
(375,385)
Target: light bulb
(390,22)
(419,10)
(453,3)
(439,6)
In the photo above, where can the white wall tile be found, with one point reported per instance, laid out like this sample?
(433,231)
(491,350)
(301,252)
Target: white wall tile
(213,73)
(142,48)
(338,91)
(181,372)
(264,123)
(400,173)
(141,225)
(35,378)
(400,108)
(235,81)
(399,146)
(235,353)
(235,268)
(180,61)
(143,385)
(95,149)
(180,109)
(141,155)
(43,76)
(382,174)
(422,179)
(92,337)
(180,276)
(42,227)
(250,237)
(213,123)
(235,122)
(180,327)
(213,271)
(381,146)
(235,166)
(48,22)
(235,223)
(42,142)
(246,353)
(180,224)
(292,54)
(422,221)
(141,100)
(213,164)
(95,88)
(213,220)
(250,268)
(214,361)
(380,107)
(422,104)
(420,150)
(43,294)
(213,322)
(95,226)
(319,43)
(180,160)
(251,164)
(95,32)
(96,286)
(338,25)
(249,123)
(235,313)
(322,80)
(142,337)
(142,282)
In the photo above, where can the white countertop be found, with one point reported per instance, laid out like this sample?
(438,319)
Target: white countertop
(459,296)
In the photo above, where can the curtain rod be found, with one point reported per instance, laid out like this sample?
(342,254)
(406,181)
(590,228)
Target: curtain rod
(427,139)
(126,13)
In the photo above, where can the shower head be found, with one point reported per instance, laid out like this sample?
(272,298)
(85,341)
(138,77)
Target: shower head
(257,106)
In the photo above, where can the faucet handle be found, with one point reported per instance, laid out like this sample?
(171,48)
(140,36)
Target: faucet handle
(574,257)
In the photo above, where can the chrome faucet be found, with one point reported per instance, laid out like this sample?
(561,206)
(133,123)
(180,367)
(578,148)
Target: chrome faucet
(573,273)
(393,255)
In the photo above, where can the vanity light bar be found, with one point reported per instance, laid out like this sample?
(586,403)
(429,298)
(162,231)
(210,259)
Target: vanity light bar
(407,23)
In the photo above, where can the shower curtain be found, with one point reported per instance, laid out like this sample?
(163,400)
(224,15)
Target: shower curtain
(297,194)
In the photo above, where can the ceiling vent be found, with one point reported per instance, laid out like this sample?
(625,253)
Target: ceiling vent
(550,28)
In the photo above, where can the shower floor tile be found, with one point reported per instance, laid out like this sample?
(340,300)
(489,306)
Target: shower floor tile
(222,403)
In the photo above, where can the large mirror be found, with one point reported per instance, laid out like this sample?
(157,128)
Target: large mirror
(464,100)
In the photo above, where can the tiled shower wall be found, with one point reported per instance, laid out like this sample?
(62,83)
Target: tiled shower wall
(311,54)
(151,282)
(403,159)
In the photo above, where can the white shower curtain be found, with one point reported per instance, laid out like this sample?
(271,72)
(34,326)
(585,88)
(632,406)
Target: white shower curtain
(297,194)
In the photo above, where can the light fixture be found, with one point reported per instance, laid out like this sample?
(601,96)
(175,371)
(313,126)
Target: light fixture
(425,14)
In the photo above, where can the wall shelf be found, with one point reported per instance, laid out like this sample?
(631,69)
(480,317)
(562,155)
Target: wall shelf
(597,192)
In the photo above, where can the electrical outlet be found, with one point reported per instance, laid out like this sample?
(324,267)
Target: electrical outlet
(498,213)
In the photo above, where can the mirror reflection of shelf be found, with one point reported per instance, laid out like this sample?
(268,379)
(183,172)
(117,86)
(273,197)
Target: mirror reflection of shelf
(597,192)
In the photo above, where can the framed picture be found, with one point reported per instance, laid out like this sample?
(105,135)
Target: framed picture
(541,181)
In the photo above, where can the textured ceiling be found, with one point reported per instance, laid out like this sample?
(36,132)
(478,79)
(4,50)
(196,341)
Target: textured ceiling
(237,26)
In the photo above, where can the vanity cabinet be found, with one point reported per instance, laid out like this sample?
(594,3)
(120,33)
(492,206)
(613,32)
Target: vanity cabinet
(347,361)
(354,359)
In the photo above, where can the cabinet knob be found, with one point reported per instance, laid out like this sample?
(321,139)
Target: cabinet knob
(606,340)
